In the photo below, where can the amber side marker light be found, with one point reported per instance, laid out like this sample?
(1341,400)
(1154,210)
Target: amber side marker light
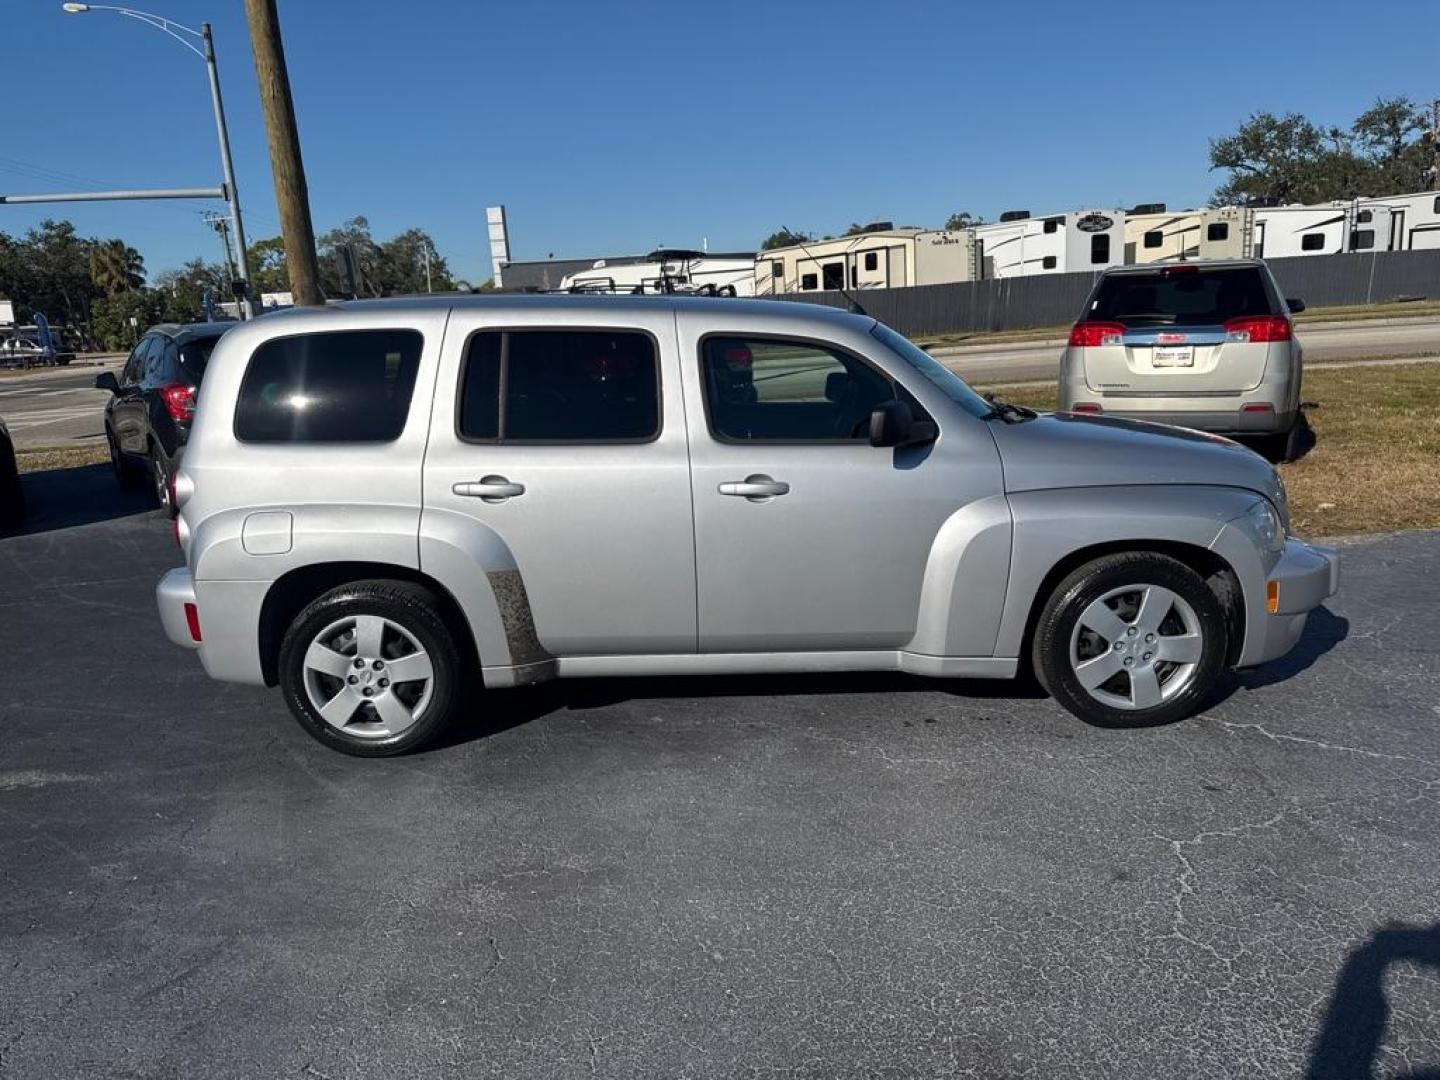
(1272,597)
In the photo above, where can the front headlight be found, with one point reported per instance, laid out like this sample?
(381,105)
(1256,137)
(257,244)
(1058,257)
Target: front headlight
(1265,522)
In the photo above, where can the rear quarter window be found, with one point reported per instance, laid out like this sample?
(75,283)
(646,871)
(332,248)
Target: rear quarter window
(347,386)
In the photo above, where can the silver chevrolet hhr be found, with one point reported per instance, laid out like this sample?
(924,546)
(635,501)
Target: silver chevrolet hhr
(1207,345)
(388,506)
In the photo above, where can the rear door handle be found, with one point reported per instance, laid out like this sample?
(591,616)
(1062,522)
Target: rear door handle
(757,488)
(492,489)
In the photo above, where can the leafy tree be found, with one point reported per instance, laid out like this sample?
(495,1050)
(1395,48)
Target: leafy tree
(355,233)
(963,219)
(110,322)
(402,265)
(265,261)
(785,238)
(1288,159)
(116,267)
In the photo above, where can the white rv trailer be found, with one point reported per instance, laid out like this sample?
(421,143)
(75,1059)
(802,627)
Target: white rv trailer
(1403,222)
(1283,231)
(883,259)
(1223,233)
(669,270)
(1058,244)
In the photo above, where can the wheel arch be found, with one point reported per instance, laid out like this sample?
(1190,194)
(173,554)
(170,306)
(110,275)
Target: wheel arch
(292,591)
(1218,574)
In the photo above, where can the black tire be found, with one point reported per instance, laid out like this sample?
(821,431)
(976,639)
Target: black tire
(125,473)
(1056,629)
(1281,447)
(412,608)
(160,483)
(12,495)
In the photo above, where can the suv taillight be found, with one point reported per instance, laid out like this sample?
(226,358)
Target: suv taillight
(179,400)
(1255,329)
(1090,334)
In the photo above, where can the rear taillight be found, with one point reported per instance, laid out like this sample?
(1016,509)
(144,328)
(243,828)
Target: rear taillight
(1085,407)
(179,400)
(1257,329)
(1090,334)
(1258,407)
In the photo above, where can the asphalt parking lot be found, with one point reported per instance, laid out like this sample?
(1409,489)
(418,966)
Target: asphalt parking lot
(826,877)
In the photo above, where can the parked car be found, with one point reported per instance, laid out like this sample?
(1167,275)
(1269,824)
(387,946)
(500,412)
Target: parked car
(147,419)
(1207,345)
(380,498)
(23,350)
(12,495)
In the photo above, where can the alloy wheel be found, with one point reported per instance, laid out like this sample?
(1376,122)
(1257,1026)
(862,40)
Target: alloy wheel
(1136,647)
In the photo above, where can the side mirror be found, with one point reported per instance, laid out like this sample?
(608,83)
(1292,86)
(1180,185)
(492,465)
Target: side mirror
(1295,305)
(893,424)
(106,381)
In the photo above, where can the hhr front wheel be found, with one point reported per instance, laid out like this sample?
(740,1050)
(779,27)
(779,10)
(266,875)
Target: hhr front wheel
(1131,640)
(371,668)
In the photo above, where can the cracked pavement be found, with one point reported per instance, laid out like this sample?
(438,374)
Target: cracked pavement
(767,877)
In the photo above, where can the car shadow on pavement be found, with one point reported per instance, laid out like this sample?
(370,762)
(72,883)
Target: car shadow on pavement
(512,708)
(64,498)
(1323,631)
(1349,1043)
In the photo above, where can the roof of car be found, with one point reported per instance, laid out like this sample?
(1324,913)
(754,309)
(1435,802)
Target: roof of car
(781,307)
(1199,264)
(191,330)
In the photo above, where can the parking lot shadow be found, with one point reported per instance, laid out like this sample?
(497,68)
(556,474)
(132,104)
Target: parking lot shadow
(511,708)
(1348,1046)
(1323,631)
(64,498)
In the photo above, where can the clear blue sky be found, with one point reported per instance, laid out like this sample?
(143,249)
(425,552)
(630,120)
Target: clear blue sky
(613,127)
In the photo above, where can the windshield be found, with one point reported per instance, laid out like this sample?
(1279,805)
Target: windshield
(1181,296)
(949,384)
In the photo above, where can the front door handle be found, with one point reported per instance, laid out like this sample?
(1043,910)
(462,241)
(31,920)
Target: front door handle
(492,489)
(757,488)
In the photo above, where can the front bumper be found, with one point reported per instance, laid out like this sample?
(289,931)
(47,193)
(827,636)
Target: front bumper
(1302,580)
(175,590)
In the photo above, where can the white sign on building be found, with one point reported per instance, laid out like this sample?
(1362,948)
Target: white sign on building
(499,240)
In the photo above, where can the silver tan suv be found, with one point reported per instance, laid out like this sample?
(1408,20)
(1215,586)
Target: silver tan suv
(389,507)
(1207,345)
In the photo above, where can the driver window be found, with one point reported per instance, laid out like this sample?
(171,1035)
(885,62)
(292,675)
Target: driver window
(789,390)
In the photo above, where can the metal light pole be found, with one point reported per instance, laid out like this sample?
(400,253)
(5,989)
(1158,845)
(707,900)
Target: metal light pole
(232,194)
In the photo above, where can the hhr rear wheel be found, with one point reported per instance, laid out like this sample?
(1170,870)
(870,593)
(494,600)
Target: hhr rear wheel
(1131,640)
(371,668)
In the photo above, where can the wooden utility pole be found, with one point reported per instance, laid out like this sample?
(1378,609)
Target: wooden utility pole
(291,194)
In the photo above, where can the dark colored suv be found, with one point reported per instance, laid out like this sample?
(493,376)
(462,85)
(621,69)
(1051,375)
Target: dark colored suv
(147,419)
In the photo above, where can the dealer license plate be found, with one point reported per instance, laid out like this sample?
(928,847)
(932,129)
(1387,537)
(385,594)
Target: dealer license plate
(1173,357)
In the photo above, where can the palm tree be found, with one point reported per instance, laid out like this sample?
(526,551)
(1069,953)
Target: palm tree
(116,267)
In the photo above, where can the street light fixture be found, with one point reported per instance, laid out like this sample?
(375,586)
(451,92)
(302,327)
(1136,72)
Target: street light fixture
(232,195)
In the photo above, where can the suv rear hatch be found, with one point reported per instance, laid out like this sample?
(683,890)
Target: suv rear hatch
(1177,330)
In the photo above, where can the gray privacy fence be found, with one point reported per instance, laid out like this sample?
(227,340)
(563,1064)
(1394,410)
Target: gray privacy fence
(1056,299)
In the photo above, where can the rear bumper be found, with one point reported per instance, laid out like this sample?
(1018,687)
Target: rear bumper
(1305,577)
(175,590)
(1230,422)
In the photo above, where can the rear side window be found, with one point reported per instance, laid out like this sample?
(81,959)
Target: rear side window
(195,354)
(1100,248)
(1312,241)
(1181,296)
(808,281)
(1362,240)
(1154,238)
(350,386)
(1219,230)
(560,386)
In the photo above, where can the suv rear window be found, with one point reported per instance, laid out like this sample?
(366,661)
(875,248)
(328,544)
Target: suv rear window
(1181,296)
(560,386)
(348,386)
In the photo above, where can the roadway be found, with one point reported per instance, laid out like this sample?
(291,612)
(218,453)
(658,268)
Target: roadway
(778,877)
